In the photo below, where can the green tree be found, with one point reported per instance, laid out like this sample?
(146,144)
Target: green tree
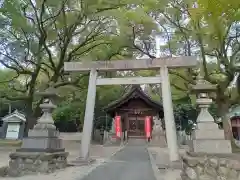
(37,37)
(69,117)
(209,30)
(6,88)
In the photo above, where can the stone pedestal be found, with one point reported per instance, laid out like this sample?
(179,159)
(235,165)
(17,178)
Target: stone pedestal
(42,140)
(23,163)
(42,150)
(209,138)
(158,135)
(158,139)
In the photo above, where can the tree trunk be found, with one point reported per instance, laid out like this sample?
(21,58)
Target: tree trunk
(31,119)
(223,108)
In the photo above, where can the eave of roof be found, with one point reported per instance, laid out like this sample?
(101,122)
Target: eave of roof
(135,92)
(15,114)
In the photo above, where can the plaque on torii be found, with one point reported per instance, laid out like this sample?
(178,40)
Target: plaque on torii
(161,64)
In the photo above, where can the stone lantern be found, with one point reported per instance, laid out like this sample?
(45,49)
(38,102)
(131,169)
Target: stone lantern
(46,121)
(207,137)
(42,150)
(202,89)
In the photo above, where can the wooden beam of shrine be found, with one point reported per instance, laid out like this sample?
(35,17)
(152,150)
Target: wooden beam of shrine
(129,80)
(139,64)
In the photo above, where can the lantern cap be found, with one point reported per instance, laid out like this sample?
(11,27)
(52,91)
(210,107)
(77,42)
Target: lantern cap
(50,92)
(203,86)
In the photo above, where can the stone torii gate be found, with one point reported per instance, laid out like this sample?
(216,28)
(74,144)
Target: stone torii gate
(161,64)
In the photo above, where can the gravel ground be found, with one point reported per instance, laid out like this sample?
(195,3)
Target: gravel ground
(71,173)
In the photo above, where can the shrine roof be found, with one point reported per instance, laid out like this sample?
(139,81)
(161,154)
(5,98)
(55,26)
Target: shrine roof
(15,116)
(135,92)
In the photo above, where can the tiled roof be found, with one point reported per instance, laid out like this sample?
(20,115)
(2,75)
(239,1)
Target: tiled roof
(135,91)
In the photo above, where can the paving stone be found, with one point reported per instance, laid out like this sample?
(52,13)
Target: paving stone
(132,163)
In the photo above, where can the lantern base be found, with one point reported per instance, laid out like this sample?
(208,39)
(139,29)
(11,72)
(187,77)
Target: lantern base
(42,140)
(208,138)
(217,146)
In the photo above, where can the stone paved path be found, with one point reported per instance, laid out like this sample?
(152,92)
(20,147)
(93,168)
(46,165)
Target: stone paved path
(132,163)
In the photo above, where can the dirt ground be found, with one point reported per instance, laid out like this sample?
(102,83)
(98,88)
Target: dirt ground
(73,147)
(98,152)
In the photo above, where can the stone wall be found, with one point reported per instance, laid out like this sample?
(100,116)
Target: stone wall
(22,163)
(201,166)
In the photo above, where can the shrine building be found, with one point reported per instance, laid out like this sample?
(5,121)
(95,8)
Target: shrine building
(133,108)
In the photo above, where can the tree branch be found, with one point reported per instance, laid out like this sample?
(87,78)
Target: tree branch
(15,98)
(10,80)
(181,76)
(178,88)
(73,83)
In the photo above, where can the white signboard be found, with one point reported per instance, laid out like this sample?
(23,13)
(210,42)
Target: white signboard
(13,131)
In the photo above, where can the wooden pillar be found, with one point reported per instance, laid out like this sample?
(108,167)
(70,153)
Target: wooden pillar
(168,115)
(89,115)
